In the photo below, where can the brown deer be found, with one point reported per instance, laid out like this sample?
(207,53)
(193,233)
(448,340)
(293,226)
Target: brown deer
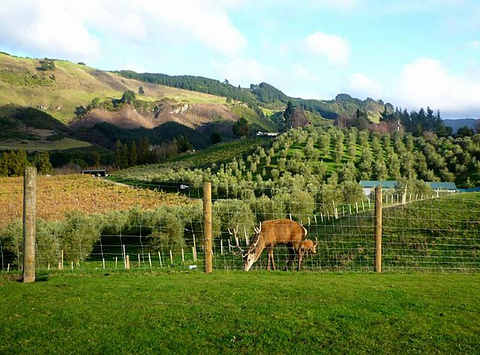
(269,234)
(308,247)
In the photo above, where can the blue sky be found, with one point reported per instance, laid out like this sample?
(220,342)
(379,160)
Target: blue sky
(410,53)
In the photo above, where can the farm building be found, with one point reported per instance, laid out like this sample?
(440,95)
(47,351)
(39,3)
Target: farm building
(95,172)
(443,186)
(369,185)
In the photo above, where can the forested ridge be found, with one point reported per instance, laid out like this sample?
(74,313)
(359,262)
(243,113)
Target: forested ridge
(263,95)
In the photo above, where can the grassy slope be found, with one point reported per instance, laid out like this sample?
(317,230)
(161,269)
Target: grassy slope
(74,85)
(236,312)
(440,233)
(62,144)
(58,92)
(225,152)
(298,148)
(219,153)
(222,152)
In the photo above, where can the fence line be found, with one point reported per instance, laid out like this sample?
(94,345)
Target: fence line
(434,233)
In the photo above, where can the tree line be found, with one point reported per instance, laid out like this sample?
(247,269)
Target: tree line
(199,84)
(14,162)
(307,159)
(127,155)
(419,122)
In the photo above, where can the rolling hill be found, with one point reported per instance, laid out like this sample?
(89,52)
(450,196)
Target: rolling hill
(84,101)
(90,106)
(462,122)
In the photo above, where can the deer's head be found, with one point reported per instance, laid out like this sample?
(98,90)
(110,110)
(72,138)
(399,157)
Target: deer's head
(254,250)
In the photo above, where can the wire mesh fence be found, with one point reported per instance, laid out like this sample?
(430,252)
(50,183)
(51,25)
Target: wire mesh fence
(88,224)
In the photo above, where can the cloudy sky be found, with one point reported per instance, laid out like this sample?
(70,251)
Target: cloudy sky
(407,52)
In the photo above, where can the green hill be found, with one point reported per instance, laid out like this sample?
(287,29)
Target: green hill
(82,102)
(267,96)
(62,87)
(311,157)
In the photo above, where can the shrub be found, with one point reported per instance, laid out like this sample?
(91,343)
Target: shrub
(78,236)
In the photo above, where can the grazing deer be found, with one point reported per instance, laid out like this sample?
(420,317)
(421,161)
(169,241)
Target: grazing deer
(269,234)
(308,247)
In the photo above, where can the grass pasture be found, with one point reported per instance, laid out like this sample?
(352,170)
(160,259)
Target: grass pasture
(237,312)
(34,145)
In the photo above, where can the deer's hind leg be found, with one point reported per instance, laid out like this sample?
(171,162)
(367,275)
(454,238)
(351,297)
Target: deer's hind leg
(291,256)
(270,258)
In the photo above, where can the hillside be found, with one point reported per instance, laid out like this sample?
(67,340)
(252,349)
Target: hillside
(265,95)
(58,90)
(84,101)
(462,122)
(325,160)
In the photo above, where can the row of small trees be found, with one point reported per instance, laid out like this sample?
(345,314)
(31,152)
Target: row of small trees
(169,227)
(175,227)
(306,159)
(13,162)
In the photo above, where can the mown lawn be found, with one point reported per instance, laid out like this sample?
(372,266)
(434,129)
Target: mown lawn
(237,312)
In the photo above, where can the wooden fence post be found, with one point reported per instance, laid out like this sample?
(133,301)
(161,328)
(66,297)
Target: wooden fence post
(60,261)
(378,229)
(29,201)
(207,225)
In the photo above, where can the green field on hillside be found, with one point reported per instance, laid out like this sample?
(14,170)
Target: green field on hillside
(238,312)
(62,144)
(222,152)
(69,85)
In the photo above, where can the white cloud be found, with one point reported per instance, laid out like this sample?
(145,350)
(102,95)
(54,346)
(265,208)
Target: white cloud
(206,21)
(425,81)
(48,28)
(245,71)
(74,30)
(120,19)
(299,72)
(362,86)
(475,44)
(334,48)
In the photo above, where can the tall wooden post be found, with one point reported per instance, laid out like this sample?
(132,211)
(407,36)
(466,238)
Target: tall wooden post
(207,225)
(29,201)
(378,229)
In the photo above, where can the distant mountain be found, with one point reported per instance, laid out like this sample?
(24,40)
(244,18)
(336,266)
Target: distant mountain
(461,122)
(265,95)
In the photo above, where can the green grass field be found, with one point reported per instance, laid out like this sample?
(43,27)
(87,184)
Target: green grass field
(62,144)
(238,312)
(218,153)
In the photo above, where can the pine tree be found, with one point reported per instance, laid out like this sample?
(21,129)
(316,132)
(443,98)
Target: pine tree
(241,127)
(3,167)
(42,162)
(287,114)
(145,155)
(121,155)
(96,158)
(133,154)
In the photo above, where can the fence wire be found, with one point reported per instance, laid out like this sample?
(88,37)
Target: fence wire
(85,223)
